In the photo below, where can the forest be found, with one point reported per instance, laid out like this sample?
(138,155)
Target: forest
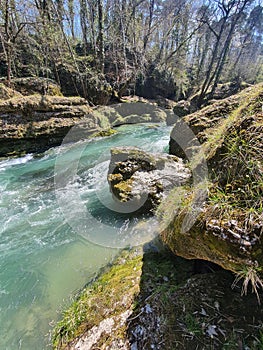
(131,174)
(98,49)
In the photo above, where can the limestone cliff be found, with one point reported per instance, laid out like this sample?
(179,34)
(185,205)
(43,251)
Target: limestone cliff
(36,122)
(228,228)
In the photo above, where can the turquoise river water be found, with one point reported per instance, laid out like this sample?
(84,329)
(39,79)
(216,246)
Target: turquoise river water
(47,251)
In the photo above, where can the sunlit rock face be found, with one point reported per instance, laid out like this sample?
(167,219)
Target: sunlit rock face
(229,227)
(35,123)
(142,179)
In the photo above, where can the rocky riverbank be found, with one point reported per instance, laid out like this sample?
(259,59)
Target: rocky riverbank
(228,229)
(152,299)
(34,122)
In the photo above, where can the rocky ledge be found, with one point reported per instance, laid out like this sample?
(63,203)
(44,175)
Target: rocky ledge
(35,123)
(141,179)
(229,226)
(224,225)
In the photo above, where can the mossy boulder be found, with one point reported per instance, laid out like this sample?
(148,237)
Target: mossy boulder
(228,228)
(111,114)
(105,133)
(87,83)
(136,119)
(132,113)
(139,179)
(144,111)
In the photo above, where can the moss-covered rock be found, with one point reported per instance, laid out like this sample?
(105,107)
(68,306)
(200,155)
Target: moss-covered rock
(139,179)
(148,112)
(151,300)
(105,133)
(206,118)
(33,85)
(100,313)
(35,123)
(132,113)
(136,119)
(7,93)
(85,82)
(229,226)
(111,114)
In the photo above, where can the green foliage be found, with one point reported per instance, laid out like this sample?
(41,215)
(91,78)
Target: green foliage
(105,133)
(192,325)
(241,185)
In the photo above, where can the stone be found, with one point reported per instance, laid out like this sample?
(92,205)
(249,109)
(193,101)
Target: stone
(136,119)
(7,93)
(36,123)
(141,179)
(111,114)
(89,84)
(223,231)
(171,118)
(144,111)
(33,85)
(202,121)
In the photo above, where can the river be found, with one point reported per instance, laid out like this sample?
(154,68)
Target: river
(47,251)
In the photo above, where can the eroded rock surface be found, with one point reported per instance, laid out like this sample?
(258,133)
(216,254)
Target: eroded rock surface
(35,123)
(141,179)
(228,229)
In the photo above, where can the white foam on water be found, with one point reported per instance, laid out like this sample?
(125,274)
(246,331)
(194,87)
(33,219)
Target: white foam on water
(15,161)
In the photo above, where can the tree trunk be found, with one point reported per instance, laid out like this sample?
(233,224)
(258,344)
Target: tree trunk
(101,53)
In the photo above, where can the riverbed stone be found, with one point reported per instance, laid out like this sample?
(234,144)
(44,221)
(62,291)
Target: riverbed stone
(141,179)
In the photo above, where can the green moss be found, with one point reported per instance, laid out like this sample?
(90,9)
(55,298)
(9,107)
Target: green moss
(54,90)
(105,133)
(102,299)
(124,189)
(102,120)
(230,220)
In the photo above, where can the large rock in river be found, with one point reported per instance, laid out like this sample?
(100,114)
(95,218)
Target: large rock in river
(140,179)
